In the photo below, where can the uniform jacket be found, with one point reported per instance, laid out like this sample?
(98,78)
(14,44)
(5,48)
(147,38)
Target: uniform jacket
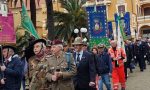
(60,63)
(86,70)
(37,73)
(13,74)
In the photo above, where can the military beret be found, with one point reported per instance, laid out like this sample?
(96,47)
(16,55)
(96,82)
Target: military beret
(11,47)
(39,40)
(55,42)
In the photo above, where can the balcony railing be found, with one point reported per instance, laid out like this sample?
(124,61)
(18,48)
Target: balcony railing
(98,2)
(144,2)
(144,18)
(103,2)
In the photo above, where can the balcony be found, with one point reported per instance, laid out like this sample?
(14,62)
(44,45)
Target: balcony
(144,2)
(143,19)
(97,2)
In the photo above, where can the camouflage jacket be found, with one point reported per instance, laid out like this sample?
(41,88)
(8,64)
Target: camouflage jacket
(37,73)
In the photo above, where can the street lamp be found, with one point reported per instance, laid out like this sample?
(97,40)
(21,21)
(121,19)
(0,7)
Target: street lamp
(82,30)
(76,31)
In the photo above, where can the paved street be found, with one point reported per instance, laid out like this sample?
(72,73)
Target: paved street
(139,80)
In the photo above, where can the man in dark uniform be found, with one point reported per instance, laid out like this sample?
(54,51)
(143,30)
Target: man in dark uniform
(129,54)
(12,69)
(148,53)
(139,54)
(143,51)
(86,73)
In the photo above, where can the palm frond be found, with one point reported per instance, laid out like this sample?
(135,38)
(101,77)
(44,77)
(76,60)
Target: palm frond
(75,17)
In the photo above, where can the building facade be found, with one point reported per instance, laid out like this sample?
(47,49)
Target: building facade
(143,18)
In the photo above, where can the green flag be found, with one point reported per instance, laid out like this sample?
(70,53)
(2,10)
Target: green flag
(121,28)
(27,24)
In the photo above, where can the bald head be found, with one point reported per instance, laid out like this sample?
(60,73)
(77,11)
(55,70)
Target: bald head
(113,43)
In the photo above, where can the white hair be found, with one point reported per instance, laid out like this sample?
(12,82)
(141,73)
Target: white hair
(60,45)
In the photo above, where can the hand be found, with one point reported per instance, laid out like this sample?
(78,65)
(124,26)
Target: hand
(58,74)
(144,56)
(134,57)
(115,59)
(125,60)
(54,78)
(3,68)
(118,58)
(110,74)
(91,84)
(99,77)
(3,81)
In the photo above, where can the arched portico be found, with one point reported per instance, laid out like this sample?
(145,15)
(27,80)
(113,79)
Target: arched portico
(144,30)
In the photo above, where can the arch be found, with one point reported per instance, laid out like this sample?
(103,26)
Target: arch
(143,28)
(142,25)
(140,28)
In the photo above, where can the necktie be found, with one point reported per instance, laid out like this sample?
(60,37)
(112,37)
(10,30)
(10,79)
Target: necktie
(78,59)
(7,61)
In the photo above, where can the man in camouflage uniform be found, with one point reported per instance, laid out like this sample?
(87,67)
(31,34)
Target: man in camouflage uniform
(61,68)
(38,66)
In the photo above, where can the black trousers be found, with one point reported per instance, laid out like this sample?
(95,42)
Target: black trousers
(84,88)
(141,61)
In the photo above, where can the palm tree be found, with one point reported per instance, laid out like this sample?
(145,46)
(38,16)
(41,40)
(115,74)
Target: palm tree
(50,20)
(33,12)
(74,17)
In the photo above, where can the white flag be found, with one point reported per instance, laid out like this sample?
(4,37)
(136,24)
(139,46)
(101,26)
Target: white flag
(120,42)
(4,10)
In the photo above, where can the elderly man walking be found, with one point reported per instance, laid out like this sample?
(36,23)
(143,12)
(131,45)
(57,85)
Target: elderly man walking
(12,69)
(38,66)
(86,73)
(61,68)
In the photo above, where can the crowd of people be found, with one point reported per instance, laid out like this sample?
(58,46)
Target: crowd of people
(56,66)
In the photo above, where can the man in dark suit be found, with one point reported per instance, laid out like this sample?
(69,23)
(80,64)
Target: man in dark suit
(12,69)
(85,78)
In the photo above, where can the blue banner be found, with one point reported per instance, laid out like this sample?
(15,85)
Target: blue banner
(97,21)
(127,24)
(110,31)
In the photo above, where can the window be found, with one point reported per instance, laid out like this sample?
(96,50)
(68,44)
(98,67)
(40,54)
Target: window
(99,0)
(147,11)
(121,9)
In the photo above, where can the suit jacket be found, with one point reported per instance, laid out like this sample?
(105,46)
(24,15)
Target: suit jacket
(85,71)
(13,74)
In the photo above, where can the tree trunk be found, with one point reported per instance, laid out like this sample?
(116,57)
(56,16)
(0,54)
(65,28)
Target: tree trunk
(33,12)
(50,20)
